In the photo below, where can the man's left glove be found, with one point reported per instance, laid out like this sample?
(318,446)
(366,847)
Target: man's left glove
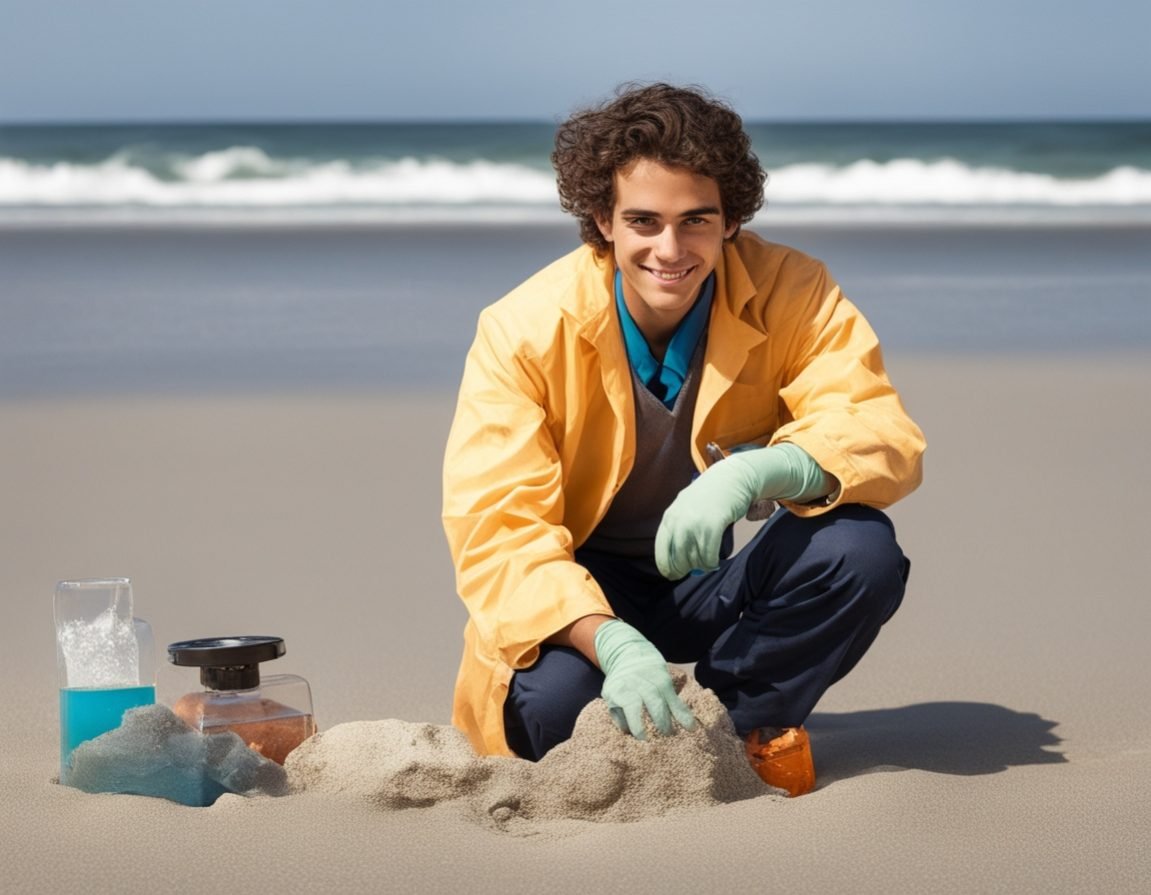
(692,528)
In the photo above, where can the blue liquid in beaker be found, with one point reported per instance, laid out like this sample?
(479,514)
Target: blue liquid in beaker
(87,712)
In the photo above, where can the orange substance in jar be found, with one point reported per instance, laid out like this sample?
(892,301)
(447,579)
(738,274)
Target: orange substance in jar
(268,727)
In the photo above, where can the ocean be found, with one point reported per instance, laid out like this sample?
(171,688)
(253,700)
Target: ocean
(500,172)
(215,259)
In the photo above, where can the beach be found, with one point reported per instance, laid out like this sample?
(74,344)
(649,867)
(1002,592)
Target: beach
(268,462)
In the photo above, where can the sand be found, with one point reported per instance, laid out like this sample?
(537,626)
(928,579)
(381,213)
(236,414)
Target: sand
(996,739)
(600,775)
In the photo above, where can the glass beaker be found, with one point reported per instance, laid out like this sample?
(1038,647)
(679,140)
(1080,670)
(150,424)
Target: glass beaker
(105,659)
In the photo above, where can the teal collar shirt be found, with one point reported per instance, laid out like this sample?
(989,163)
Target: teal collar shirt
(664,380)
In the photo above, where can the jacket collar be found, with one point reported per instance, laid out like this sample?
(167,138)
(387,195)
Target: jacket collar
(589,302)
(730,336)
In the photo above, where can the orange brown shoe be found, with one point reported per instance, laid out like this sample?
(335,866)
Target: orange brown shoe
(782,758)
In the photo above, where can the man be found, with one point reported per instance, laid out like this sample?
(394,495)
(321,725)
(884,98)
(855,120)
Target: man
(627,404)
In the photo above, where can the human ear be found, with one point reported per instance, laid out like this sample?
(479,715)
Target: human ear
(604,225)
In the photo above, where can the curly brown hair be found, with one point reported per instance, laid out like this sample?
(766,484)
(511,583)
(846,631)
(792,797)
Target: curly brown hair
(680,127)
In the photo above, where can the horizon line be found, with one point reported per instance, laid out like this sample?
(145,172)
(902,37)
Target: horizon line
(532,121)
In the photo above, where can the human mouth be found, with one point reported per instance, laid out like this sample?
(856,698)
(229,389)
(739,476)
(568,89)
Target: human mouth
(670,276)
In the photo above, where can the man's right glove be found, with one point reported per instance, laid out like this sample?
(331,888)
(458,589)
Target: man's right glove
(636,678)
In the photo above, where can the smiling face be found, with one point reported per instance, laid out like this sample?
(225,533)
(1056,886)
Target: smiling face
(667,231)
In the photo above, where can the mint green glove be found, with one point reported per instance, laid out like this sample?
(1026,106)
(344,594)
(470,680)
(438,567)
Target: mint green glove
(636,678)
(692,527)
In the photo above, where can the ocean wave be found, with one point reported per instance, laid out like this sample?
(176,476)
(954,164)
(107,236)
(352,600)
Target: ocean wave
(235,163)
(949,182)
(246,177)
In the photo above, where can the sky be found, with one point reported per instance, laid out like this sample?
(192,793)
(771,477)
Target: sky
(316,60)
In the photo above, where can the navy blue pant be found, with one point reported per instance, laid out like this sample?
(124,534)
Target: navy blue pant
(770,630)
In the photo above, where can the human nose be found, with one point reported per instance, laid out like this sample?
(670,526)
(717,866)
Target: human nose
(667,245)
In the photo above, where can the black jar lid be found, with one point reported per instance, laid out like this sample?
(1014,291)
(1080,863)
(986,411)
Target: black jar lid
(227,663)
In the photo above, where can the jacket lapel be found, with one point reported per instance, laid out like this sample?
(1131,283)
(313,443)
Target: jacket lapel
(730,339)
(598,326)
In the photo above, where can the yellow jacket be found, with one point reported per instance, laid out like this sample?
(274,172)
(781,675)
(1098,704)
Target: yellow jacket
(544,436)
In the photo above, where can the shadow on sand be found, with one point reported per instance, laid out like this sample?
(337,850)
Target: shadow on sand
(964,738)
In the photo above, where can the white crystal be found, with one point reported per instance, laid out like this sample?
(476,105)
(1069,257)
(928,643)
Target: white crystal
(101,652)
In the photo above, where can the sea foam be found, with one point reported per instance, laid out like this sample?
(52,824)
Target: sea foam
(248,176)
(950,182)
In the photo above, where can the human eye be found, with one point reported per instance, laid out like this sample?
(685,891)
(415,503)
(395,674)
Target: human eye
(641,221)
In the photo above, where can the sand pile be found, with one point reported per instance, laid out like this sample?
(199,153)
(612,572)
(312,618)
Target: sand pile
(601,774)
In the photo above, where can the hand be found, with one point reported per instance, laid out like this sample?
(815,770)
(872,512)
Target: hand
(636,678)
(692,528)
